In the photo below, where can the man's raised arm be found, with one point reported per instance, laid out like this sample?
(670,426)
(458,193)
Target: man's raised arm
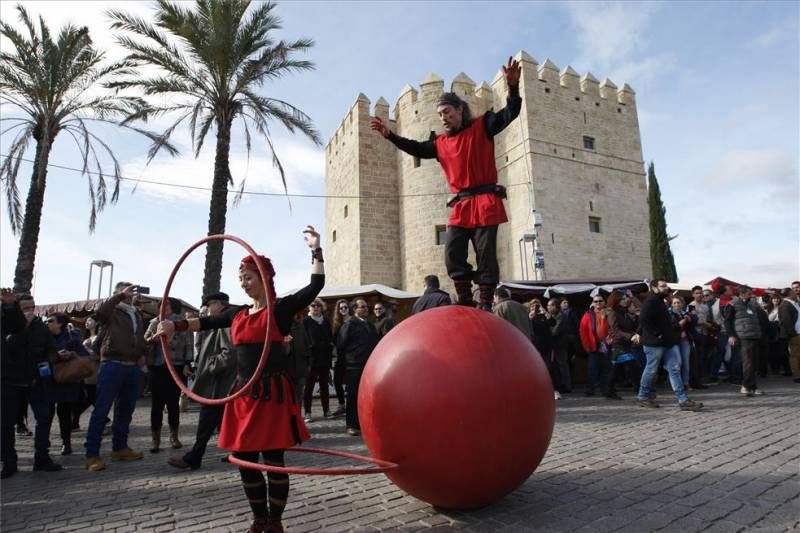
(423,150)
(497,122)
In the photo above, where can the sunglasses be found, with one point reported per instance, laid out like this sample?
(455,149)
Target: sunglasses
(317,305)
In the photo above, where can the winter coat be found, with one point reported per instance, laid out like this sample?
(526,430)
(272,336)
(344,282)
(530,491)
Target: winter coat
(216,363)
(355,341)
(741,319)
(655,326)
(431,298)
(14,362)
(515,314)
(122,340)
(320,340)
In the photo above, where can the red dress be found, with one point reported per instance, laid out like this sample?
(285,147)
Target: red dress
(257,424)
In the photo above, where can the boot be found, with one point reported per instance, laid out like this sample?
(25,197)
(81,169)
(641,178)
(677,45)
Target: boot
(464,292)
(66,448)
(155,447)
(274,525)
(486,295)
(173,438)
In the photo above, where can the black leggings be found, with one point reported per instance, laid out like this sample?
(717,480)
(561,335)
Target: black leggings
(256,489)
(64,412)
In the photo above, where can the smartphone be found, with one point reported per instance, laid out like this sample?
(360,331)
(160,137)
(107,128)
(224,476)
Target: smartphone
(143,290)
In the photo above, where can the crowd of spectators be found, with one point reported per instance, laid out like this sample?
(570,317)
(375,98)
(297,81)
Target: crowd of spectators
(620,343)
(728,335)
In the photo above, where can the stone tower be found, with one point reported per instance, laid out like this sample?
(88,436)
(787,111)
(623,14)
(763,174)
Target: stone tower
(573,157)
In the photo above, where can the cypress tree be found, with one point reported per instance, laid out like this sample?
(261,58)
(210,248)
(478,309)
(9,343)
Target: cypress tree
(660,251)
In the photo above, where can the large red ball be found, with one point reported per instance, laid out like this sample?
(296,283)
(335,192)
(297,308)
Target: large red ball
(461,401)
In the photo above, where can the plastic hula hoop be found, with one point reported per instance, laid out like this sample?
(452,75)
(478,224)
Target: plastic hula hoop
(162,315)
(381,465)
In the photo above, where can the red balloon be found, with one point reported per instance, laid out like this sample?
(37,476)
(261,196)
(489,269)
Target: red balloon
(462,401)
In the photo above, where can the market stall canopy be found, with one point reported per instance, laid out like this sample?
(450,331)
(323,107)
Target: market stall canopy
(83,308)
(364,290)
(548,288)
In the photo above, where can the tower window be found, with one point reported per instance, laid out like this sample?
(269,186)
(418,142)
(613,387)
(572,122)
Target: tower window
(591,206)
(594,225)
(417,162)
(441,235)
(588,142)
(547,89)
(333,237)
(345,211)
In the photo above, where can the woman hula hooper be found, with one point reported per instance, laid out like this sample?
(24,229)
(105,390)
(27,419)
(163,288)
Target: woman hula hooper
(267,419)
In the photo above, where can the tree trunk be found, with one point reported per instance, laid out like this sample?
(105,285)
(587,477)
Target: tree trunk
(29,236)
(219,208)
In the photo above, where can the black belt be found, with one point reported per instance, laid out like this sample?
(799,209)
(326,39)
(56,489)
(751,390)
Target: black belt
(492,188)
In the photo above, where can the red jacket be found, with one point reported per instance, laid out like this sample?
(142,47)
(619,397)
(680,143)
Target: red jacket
(592,335)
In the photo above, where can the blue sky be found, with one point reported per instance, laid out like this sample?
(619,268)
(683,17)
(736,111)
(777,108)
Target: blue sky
(717,94)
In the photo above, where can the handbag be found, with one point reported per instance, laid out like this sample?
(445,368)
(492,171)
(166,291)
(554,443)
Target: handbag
(74,370)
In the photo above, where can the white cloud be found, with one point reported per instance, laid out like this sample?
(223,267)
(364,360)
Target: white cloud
(764,166)
(609,31)
(775,35)
(304,167)
(611,38)
(643,73)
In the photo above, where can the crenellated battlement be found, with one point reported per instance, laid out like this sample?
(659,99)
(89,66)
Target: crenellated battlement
(411,100)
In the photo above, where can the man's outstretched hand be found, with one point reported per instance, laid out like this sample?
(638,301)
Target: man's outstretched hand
(511,71)
(377,124)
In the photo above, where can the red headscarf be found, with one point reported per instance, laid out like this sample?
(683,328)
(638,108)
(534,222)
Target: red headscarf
(248,263)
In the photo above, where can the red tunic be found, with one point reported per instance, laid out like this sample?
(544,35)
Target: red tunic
(467,159)
(254,424)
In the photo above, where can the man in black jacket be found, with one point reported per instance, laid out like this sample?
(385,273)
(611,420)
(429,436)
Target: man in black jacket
(215,373)
(432,297)
(13,378)
(356,340)
(27,362)
(660,342)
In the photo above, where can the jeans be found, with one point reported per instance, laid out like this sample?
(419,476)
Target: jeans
(117,384)
(210,419)
(599,373)
(40,405)
(671,357)
(684,348)
(716,355)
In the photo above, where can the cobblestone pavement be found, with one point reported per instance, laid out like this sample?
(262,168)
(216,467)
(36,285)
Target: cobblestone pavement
(611,466)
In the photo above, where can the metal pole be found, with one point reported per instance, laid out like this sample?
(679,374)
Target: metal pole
(89,287)
(111,280)
(100,283)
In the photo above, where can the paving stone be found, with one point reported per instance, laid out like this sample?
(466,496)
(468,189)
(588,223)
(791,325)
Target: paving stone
(608,468)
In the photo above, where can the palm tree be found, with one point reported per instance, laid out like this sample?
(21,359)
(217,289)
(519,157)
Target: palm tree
(210,62)
(50,86)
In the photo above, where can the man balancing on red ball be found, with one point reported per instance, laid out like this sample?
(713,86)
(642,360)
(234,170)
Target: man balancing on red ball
(466,152)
